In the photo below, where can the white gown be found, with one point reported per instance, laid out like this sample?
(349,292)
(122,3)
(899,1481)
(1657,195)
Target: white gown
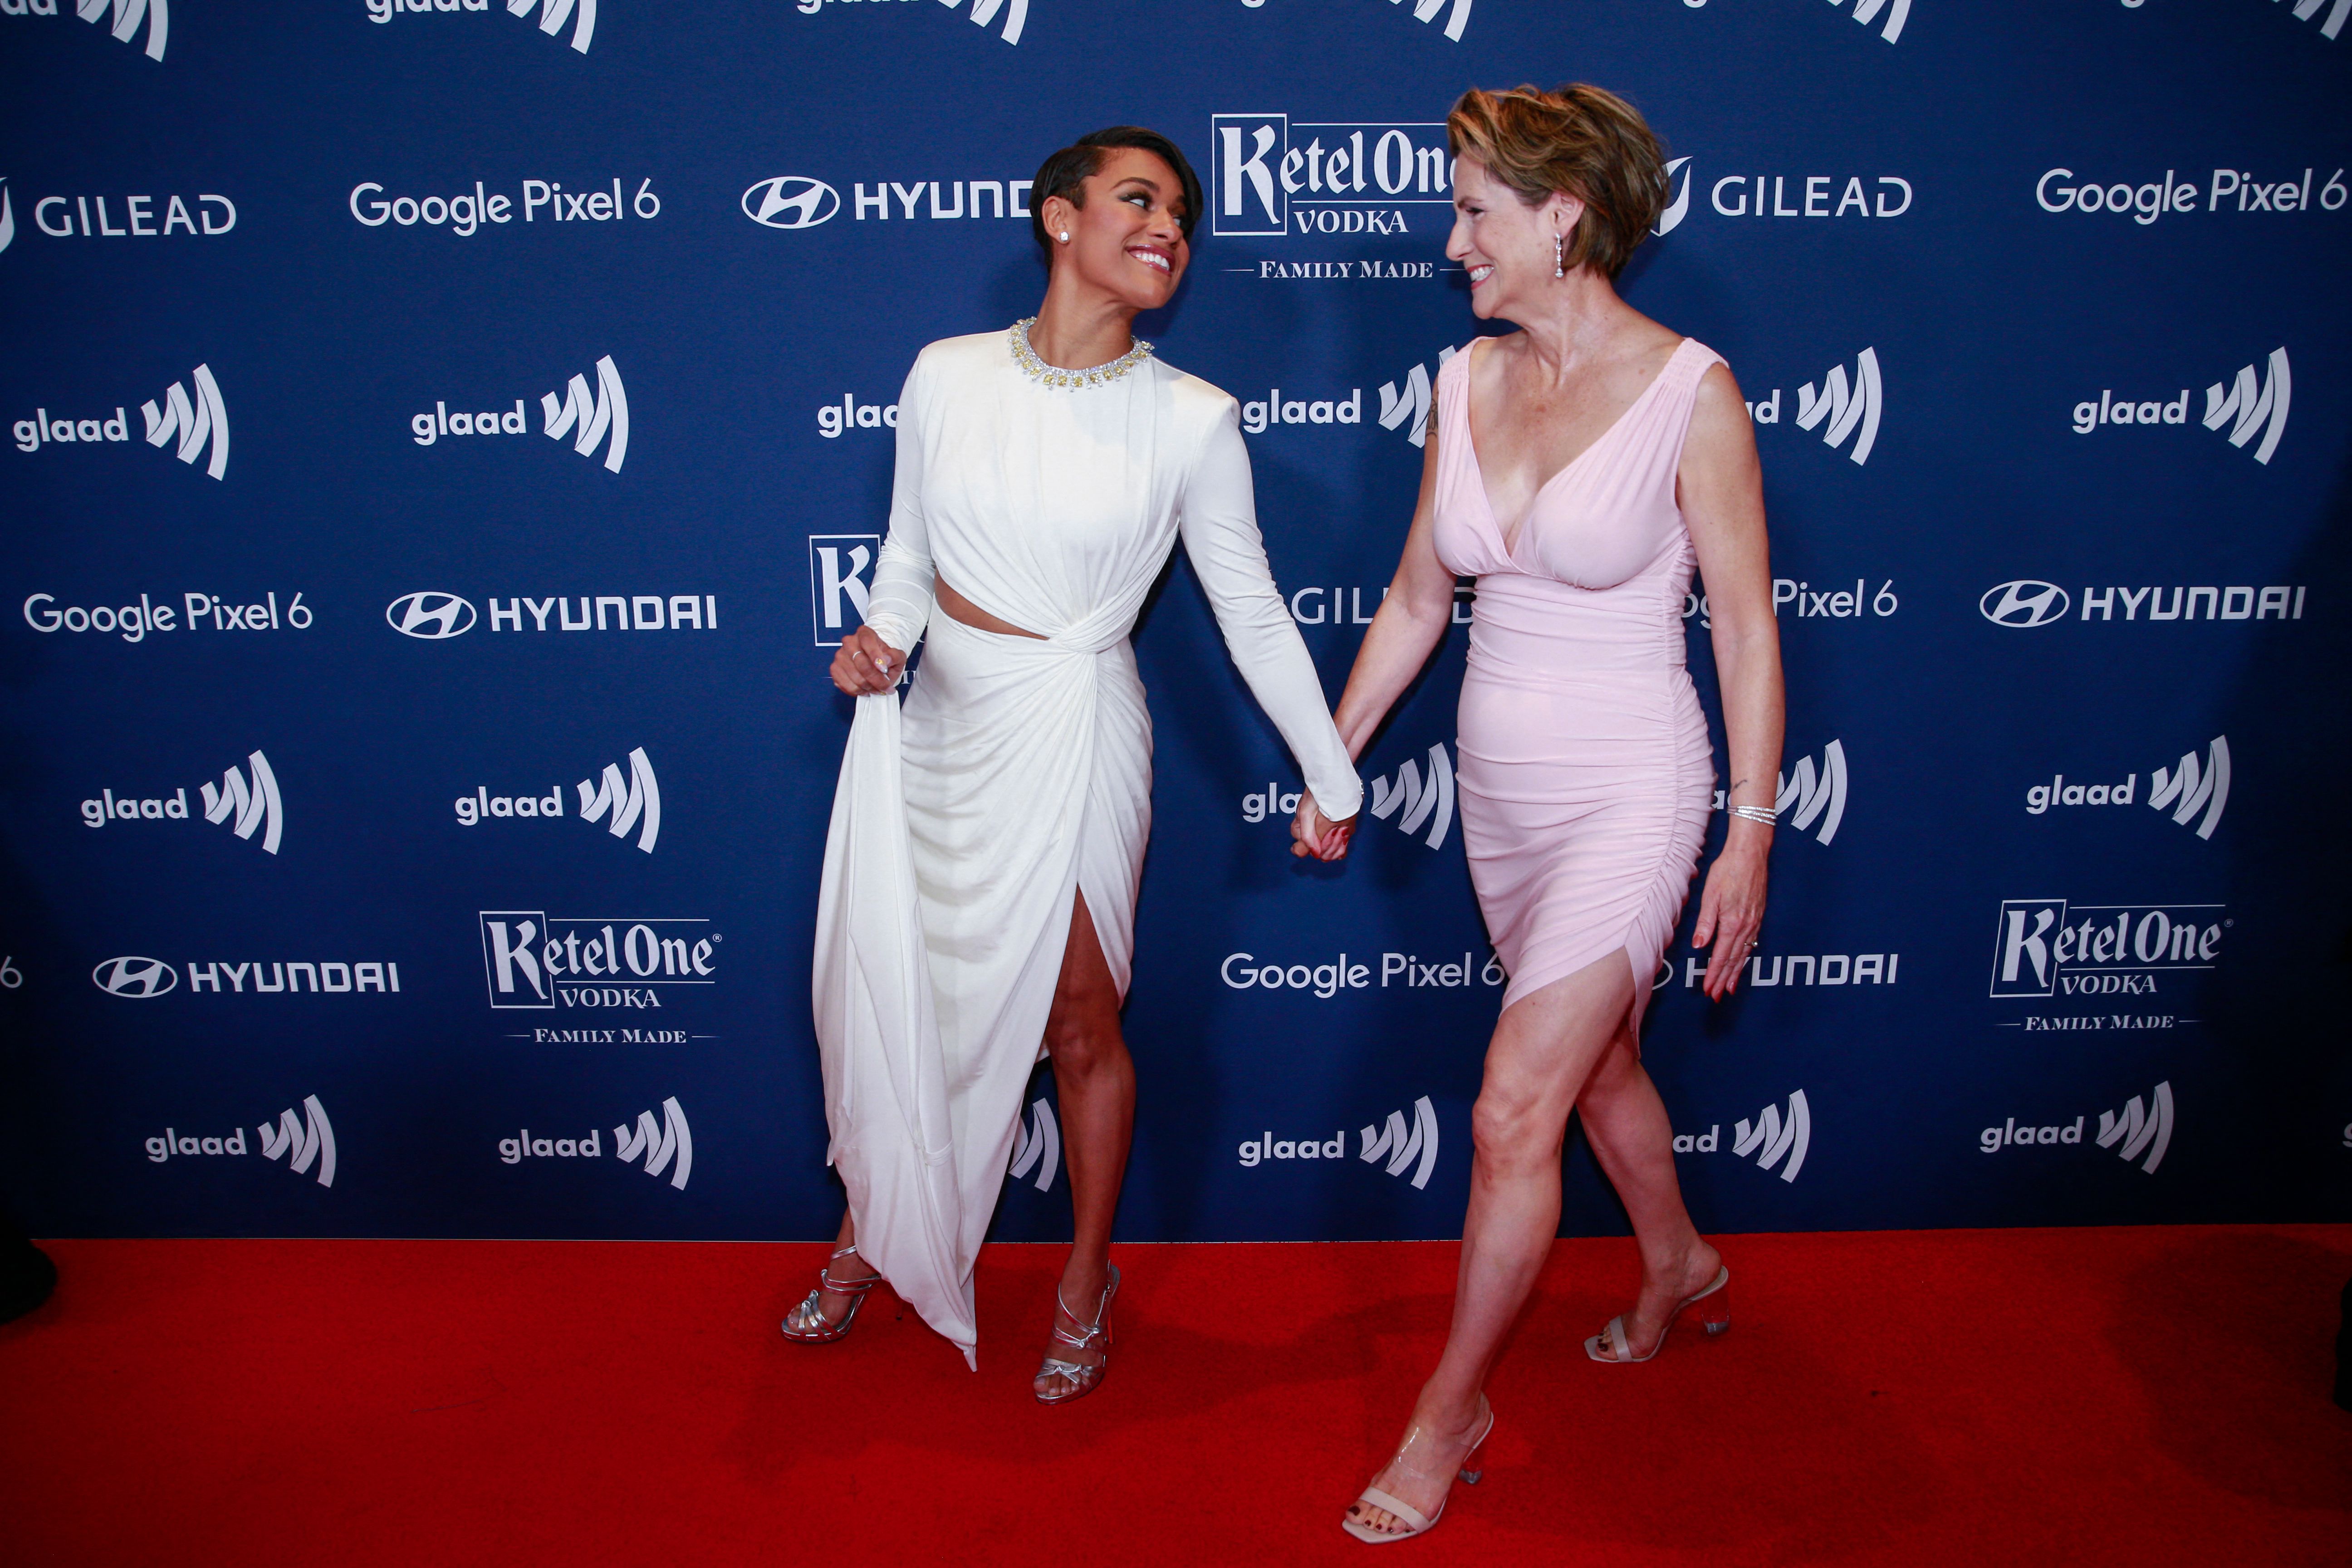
(1018,769)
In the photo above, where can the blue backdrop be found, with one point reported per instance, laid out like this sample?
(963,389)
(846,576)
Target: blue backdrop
(448,436)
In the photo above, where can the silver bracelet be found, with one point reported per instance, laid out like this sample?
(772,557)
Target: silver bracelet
(1766,814)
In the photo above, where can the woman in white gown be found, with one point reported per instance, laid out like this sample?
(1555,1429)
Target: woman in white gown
(978,901)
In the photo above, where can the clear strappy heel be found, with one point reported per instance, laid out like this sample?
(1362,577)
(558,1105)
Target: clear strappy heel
(1610,1344)
(1095,1336)
(1472,1469)
(806,1324)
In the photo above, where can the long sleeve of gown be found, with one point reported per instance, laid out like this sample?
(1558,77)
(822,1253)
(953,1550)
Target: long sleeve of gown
(898,606)
(1219,522)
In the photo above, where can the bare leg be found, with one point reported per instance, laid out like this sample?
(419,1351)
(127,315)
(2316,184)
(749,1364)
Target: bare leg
(1095,1081)
(1543,1050)
(1626,1124)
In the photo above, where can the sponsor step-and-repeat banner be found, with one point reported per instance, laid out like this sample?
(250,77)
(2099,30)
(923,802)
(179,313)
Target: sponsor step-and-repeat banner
(449,438)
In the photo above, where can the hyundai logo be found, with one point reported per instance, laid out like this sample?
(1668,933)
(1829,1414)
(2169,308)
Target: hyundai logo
(429,615)
(790,201)
(2024,603)
(139,977)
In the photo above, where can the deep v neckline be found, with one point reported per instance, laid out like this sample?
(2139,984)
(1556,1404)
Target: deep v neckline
(1510,541)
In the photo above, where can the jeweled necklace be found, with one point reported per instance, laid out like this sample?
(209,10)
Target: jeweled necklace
(1044,374)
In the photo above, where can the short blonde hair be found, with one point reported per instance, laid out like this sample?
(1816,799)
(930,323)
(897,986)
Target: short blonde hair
(1580,141)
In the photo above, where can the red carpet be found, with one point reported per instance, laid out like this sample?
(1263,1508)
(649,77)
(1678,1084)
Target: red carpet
(2141,1397)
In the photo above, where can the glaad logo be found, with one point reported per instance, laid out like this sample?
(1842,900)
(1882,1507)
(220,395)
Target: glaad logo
(1767,1139)
(792,201)
(983,12)
(588,416)
(1845,409)
(1401,1144)
(1815,796)
(196,425)
(626,800)
(841,574)
(2136,1129)
(1866,12)
(523,1146)
(1427,10)
(43,430)
(2115,950)
(135,977)
(174,1141)
(2250,406)
(302,1141)
(2190,789)
(2141,1129)
(1430,802)
(1274,409)
(1037,1145)
(533,962)
(852,414)
(306,1140)
(554,13)
(605,411)
(659,1144)
(1413,404)
(254,804)
(1362,182)
(1770,1137)
(2305,10)
(640,795)
(2107,410)
(2186,789)
(552,17)
(199,425)
(126,16)
(2247,405)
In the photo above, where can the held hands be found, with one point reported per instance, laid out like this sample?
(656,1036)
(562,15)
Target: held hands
(867,665)
(1731,910)
(1313,834)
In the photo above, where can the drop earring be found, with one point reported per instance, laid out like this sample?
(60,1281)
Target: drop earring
(1558,255)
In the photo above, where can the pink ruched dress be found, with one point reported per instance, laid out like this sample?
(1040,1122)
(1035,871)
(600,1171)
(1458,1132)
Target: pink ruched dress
(1586,778)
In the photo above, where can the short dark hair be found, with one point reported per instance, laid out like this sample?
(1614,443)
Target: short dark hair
(1065,174)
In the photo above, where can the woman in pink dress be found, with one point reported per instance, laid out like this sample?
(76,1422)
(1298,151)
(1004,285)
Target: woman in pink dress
(1578,468)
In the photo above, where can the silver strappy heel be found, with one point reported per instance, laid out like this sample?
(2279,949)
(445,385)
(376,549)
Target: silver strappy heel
(807,1324)
(1094,1336)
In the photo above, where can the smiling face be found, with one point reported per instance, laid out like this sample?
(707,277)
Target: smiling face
(1504,244)
(1128,240)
